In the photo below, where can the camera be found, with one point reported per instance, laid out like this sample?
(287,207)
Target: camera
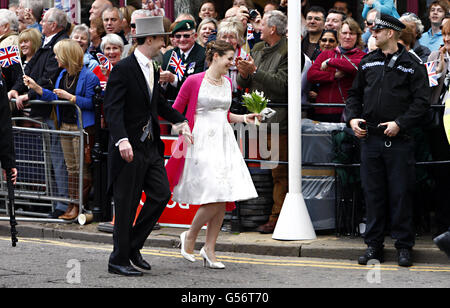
(253,14)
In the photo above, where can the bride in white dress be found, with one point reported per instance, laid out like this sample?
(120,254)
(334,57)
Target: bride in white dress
(214,173)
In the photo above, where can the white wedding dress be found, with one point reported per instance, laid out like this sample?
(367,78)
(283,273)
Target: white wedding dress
(214,169)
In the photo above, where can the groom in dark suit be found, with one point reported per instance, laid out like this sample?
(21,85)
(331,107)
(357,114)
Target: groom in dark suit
(133,102)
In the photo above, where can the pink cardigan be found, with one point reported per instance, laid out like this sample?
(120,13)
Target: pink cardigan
(188,96)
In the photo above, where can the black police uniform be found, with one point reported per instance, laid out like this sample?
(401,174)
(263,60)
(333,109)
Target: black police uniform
(389,88)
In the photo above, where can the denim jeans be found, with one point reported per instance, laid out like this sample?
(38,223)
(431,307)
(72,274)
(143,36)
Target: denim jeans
(59,168)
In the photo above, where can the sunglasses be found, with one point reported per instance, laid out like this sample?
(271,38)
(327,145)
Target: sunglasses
(370,23)
(133,26)
(324,40)
(186,36)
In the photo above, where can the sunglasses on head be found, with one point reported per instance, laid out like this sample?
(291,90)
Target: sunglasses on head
(410,14)
(324,40)
(186,36)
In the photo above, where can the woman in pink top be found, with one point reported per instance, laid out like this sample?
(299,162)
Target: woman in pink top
(334,70)
(211,171)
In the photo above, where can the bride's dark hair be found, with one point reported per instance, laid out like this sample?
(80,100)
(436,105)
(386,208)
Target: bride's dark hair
(219,46)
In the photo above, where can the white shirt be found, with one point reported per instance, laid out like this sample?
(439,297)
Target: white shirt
(186,53)
(47,39)
(146,66)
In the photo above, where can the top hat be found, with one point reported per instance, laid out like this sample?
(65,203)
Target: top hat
(385,21)
(149,26)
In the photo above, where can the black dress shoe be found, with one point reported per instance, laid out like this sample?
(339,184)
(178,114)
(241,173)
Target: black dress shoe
(404,257)
(124,270)
(371,253)
(443,242)
(139,261)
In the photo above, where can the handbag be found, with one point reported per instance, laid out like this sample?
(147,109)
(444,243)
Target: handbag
(89,141)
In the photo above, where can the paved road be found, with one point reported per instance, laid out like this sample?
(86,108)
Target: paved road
(55,263)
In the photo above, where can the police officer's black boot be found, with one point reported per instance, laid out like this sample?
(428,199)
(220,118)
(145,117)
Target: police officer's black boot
(443,242)
(370,254)
(404,257)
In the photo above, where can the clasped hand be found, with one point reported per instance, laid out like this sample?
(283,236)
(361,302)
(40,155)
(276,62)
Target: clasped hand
(183,129)
(392,128)
(13,175)
(245,67)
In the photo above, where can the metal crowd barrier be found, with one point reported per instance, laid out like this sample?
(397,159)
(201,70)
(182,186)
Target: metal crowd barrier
(37,186)
(42,175)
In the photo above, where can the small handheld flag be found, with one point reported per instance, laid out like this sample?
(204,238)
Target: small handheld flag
(9,56)
(432,74)
(178,65)
(104,61)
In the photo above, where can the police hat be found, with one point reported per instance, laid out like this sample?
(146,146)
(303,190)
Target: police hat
(385,21)
(184,25)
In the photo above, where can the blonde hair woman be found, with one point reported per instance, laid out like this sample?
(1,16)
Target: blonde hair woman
(76,84)
(29,42)
(206,27)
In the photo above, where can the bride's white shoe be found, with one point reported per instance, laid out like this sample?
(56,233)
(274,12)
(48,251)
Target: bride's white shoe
(208,262)
(187,256)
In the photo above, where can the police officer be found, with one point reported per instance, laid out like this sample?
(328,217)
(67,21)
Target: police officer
(389,97)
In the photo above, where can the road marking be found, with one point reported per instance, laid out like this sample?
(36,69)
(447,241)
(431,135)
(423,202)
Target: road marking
(239,260)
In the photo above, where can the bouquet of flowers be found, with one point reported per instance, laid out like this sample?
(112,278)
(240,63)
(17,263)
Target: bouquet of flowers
(255,102)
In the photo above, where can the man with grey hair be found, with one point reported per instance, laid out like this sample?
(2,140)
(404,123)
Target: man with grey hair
(112,22)
(97,8)
(411,19)
(267,70)
(9,25)
(30,11)
(44,69)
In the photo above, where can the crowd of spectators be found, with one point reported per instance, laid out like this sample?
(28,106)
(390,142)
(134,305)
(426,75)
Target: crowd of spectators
(335,44)
(332,42)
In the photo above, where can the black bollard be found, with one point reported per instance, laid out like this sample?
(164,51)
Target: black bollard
(11,209)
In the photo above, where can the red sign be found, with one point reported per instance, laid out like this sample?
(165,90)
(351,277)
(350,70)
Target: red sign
(178,214)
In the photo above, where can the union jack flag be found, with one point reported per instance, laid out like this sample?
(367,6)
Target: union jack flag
(9,56)
(104,61)
(432,74)
(178,65)
(250,32)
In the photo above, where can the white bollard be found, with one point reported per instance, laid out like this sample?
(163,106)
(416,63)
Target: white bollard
(294,222)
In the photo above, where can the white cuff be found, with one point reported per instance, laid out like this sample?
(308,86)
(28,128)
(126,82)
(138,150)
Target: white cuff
(120,140)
